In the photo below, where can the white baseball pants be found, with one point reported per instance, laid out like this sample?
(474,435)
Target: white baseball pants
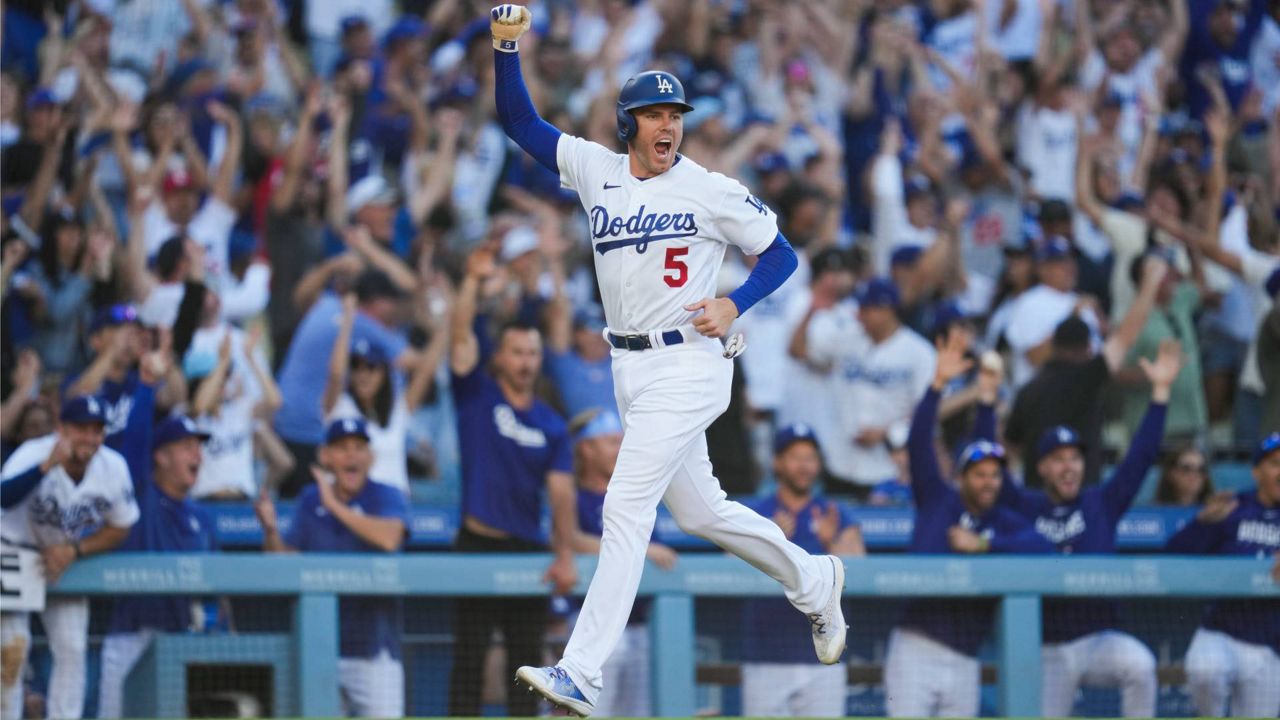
(372,687)
(925,678)
(793,689)
(120,652)
(1103,659)
(1221,668)
(66,623)
(666,398)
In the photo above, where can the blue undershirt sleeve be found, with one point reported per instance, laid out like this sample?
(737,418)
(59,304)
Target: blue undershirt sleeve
(519,119)
(926,477)
(773,267)
(17,488)
(1119,491)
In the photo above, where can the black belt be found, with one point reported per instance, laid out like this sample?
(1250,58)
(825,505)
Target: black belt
(643,342)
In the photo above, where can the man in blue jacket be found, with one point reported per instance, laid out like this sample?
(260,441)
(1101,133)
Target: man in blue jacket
(932,666)
(1082,645)
(1235,654)
(170,521)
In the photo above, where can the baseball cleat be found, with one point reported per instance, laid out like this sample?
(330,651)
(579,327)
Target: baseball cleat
(554,684)
(828,626)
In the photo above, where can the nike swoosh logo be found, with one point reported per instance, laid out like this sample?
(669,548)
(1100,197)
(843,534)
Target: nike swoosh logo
(607,186)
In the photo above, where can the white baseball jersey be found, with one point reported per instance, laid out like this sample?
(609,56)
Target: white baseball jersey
(60,510)
(659,242)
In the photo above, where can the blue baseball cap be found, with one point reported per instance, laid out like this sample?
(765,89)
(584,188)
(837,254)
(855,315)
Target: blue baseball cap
(915,186)
(83,409)
(948,314)
(905,255)
(980,450)
(112,316)
(877,292)
(1056,437)
(605,422)
(198,364)
(788,435)
(771,162)
(353,22)
(1054,247)
(178,427)
(1269,444)
(42,97)
(406,28)
(590,317)
(344,428)
(367,352)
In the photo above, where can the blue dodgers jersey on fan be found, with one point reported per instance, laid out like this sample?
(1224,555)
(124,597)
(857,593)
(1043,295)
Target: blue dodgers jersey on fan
(1251,529)
(506,455)
(591,521)
(957,623)
(166,526)
(1088,525)
(366,625)
(129,407)
(776,632)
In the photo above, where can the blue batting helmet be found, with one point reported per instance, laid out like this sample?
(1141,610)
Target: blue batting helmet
(652,87)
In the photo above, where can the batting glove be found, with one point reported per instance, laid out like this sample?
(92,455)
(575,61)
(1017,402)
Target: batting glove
(735,346)
(507,23)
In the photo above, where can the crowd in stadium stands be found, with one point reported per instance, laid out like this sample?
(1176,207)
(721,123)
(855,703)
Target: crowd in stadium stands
(261,249)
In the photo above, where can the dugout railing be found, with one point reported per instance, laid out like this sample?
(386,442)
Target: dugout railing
(312,583)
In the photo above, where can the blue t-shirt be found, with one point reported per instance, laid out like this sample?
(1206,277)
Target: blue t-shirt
(506,455)
(130,407)
(164,526)
(306,366)
(366,625)
(957,623)
(775,632)
(1088,526)
(1231,63)
(582,385)
(1251,529)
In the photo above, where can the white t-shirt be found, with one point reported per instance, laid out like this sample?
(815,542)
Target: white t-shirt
(890,228)
(809,394)
(1141,79)
(1033,320)
(659,243)
(875,386)
(767,328)
(210,227)
(160,309)
(1264,60)
(1047,141)
(1018,39)
(386,441)
(228,453)
(61,510)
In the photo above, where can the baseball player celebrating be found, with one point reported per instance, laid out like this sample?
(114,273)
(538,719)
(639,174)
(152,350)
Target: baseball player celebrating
(67,496)
(932,668)
(1235,654)
(1081,643)
(660,224)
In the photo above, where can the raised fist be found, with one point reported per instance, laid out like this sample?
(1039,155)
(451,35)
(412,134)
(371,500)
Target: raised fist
(507,23)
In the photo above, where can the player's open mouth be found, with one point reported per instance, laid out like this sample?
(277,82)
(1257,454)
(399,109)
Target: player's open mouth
(663,148)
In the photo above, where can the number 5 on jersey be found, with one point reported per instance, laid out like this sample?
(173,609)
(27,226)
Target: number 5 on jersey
(676,265)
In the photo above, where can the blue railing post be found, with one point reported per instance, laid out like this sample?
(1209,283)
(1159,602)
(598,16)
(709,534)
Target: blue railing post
(315,631)
(1018,637)
(673,668)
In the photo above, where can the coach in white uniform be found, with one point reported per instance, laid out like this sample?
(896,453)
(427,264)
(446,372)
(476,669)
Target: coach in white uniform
(67,496)
(660,224)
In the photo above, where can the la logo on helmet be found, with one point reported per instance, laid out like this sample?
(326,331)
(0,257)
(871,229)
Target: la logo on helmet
(664,85)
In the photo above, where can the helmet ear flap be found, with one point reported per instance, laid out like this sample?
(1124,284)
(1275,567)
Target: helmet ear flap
(626,125)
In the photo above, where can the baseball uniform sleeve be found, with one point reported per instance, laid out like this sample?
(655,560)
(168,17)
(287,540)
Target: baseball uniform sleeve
(123,511)
(580,162)
(299,527)
(744,220)
(561,451)
(390,503)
